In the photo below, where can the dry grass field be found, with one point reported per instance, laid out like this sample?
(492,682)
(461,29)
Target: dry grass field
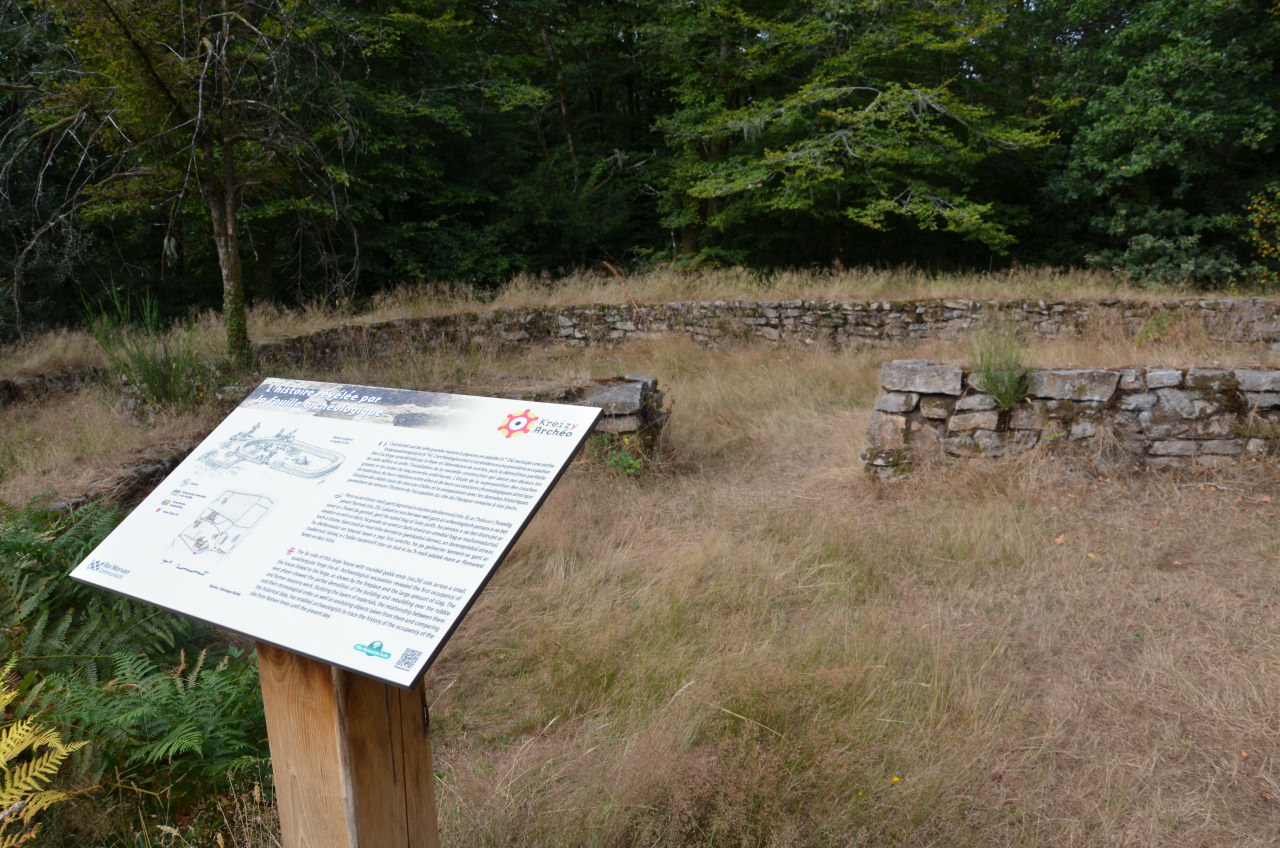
(748,643)
(753,645)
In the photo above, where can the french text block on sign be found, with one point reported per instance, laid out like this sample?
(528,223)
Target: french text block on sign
(351,524)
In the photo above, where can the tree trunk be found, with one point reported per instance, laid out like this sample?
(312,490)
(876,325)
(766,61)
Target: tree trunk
(566,119)
(226,237)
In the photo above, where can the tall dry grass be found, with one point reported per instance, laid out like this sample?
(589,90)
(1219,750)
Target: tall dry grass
(752,644)
(63,445)
(663,285)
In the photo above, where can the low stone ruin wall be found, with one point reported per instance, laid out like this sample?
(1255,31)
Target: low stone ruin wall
(30,387)
(831,323)
(1153,417)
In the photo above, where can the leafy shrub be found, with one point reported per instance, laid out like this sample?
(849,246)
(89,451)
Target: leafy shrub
(115,671)
(1263,213)
(53,625)
(1168,246)
(188,726)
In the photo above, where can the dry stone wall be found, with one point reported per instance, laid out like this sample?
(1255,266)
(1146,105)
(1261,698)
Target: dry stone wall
(30,387)
(832,323)
(1153,417)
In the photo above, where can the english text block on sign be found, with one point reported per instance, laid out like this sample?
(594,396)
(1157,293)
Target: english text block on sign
(352,524)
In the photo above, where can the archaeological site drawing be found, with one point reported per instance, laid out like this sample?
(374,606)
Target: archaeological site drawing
(224,523)
(281,452)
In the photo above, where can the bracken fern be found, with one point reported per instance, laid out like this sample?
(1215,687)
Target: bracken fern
(199,723)
(30,757)
(53,625)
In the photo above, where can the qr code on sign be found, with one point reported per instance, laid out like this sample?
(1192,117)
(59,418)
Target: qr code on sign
(408,659)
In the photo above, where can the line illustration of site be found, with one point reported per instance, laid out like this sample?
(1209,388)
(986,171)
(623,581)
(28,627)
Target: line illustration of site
(281,452)
(223,524)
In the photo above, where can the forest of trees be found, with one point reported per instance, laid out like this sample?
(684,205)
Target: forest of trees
(213,151)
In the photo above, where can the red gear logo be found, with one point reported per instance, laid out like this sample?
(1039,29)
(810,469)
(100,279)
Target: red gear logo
(518,422)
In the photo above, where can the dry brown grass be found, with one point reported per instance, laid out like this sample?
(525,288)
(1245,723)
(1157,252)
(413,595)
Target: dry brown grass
(748,645)
(61,446)
(49,351)
(752,644)
(839,284)
(75,348)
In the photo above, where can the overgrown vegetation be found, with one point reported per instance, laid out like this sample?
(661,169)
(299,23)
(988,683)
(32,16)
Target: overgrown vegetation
(158,364)
(272,152)
(159,732)
(1264,233)
(30,756)
(998,363)
(745,642)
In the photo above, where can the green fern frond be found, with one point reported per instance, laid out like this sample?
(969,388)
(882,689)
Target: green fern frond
(184,738)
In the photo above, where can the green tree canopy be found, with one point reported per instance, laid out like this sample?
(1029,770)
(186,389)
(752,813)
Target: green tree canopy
(231,105)
(827,112)
(1172,128)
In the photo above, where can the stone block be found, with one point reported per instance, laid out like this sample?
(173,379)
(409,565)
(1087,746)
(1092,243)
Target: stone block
(885,458)
(936,406)
(1132,380)
(1132,403)
(1161,423)
(923,436)
(1163,378)
(1215,461)
(887,431)
(1178,402)
(1174,447)
(921,375)
(1006,443)
(1262,400)
(963,421)
(960,444)
(990,443)
(1253,380)
(617,399)
(1075,384)
(1211,380)
(1216,427)
(647,383)
(1083,430)
(975,403)
(1031,416)
(619,424)
(1222,447)
(898,402)
(1261,447)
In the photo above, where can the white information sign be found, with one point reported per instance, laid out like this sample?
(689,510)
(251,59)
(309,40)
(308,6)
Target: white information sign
(351,524)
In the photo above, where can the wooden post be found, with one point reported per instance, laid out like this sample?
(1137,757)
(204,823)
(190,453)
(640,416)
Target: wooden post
(351,756)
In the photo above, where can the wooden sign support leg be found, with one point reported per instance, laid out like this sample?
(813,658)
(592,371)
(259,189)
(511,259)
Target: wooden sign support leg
(351,757)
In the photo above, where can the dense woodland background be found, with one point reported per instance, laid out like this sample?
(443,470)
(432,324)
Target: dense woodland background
(209,151)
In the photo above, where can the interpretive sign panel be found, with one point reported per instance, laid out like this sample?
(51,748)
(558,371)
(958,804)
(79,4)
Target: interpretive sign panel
(351,524)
